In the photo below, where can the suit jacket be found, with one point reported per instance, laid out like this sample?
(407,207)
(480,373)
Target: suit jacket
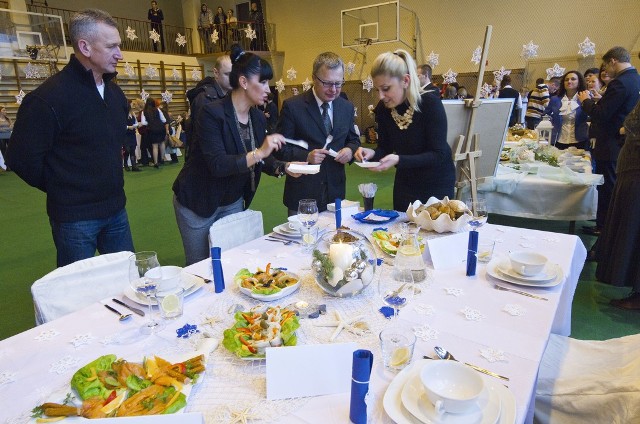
(300,119)
(607,115)
(217,157)
(511,93)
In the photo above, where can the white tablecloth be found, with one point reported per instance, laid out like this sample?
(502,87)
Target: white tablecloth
(39,362)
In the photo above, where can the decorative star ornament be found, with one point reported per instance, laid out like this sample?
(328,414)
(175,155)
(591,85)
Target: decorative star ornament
(144,95)
(450,76)
(292,74)
(250,33)
(432,59)
(131,33)
(167,96)
(280,86)
(306,84)
(175,74)
(476,56)
(556,71)
(181,40)
(341,323)
(128,69)
(19,97)
(196,75)
(500,73)
(350,68)
(241,416)
(151,71)
(215,36)
(31,71)
(485,91)
(587,48)
(529,51)
(367,84)
(154,36)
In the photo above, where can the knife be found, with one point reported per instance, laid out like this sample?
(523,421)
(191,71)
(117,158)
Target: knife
(131,308)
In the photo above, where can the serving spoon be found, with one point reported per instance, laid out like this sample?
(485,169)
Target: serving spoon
(445,354)
(123,317)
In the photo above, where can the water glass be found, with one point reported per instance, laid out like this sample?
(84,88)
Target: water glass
(397,345)
(479,213)
(171,303)
(396,290)
(485,250)
(142,267)
(308,216)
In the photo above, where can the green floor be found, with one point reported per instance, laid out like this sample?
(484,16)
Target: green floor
(27,250)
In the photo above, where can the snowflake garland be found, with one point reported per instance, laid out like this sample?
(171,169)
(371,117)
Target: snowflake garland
(500,73)
(128,69)
(215,36)
(555,71)
(433,59)
(196,75)
(476,56)
(167,96)
(154,36)
(175,74)
(367,84)
(350,68)
(31,71)
(450,76)
(131,33)
(587,48)
(306,84)
(280,86)
(151,71)
(291,74)
(529,51)
(250,33)
(144,95)
(181,40)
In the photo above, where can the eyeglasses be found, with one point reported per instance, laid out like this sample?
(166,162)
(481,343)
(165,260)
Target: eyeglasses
(327,84)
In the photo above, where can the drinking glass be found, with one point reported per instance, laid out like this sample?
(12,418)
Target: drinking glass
(308,216)
(142,282)
(479,213)
(396,290)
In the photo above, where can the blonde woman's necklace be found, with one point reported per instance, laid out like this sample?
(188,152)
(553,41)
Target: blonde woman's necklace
(402,121)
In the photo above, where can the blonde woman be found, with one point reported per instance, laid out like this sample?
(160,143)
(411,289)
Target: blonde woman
(412,133)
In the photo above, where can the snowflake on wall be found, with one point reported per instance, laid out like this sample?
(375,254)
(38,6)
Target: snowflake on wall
(529,51)
(144,95)
(450,76)
(167,96)
(555,71)
(215,36)
(19,97)
(196,75)
(131,33)
(432,59)
(250,33)
(128,69)
(151,71)
(181,40)
(500,73)
(291,74)
(31,71)
(154,36)
(587,48)
(175,74)
(350,68)
(306,84)
(367,84)
(476,56)
(485,91)
(280,86)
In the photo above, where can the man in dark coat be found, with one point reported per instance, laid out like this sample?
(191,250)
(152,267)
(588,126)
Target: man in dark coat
(508,92)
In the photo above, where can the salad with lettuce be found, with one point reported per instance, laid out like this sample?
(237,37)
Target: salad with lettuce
(269,281)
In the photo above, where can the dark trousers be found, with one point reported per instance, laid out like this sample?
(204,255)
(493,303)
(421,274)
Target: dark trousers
(145,146)
(129,153)
(608,170)
(532,122)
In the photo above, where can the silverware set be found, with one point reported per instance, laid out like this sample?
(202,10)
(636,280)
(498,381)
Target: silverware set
(523,293)
(283,241)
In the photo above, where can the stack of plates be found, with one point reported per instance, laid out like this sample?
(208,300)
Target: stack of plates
(284,230)
(190,283)
(406,401)
(550,276)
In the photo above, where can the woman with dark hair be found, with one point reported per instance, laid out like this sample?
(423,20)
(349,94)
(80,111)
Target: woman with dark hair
(157,129)
(569,120)
(130,142)
(205,24)
(227,155)
(220,21)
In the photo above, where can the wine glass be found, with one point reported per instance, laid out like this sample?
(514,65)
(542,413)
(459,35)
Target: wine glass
(143,270)
(396,291)
(479,213)
(308,216)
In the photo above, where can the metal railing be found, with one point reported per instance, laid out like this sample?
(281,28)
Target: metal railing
(237,32)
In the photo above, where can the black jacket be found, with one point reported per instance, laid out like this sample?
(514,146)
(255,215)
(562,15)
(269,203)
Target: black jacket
(67,142)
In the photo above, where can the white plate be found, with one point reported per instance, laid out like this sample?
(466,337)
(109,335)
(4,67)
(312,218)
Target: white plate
(367,164)
(271,297)
(303,169)
(492,270)
(190,283)
(286,232)
(549,272)
(415,399)
(392,401)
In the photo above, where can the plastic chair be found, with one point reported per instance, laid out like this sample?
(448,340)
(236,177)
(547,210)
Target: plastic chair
(74,286)
(587,381)
(236,229)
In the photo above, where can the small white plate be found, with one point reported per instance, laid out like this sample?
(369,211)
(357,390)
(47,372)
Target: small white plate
(284,230)
(303,169)
(492,270)
(367,164)
(190,283)
(549,272)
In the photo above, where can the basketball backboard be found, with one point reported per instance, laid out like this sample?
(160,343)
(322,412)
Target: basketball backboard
(373,24)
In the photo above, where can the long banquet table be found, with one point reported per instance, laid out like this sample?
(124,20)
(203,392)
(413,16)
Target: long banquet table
(41,361)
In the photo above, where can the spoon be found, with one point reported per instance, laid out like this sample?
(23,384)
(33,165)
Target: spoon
(444,354)
(123,317)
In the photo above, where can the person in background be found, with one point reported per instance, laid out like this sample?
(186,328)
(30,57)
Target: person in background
(220,22)
(271,113)
(412,133)
(130,142)
(508,92)
(157,130)
(257,21)
(227,156)
(554,85)
(67,142)
(5,129)
(424,74)
(173,126)
(463,93)
(450,93)
(592,79)
(232,27)
(155,16)
(205,27)
(569,120)
(538,101)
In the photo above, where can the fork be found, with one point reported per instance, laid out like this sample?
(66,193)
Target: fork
(519,292)
(286,243)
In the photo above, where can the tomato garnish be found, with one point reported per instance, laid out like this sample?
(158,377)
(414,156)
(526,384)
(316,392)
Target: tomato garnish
(111,397)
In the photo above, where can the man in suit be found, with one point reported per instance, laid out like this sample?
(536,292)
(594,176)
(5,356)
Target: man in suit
(424,75)
(607,116)
(326,122)
(508,92)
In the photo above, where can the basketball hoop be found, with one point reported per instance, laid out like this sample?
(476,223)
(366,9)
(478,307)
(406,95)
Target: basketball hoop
(364,41)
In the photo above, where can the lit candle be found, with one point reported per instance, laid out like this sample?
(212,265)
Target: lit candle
(341,254)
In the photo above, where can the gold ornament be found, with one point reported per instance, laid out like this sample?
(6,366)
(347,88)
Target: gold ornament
(403,121)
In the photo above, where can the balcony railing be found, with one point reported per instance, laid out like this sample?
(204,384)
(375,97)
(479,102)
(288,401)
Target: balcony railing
(235,32)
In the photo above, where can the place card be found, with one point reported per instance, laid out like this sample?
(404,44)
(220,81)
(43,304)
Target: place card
(449,251)
(309,370)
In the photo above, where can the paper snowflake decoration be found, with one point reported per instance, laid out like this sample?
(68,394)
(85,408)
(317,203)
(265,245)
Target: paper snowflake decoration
(292,74)
(280,86)
(175,74)
(151,71)
(476,56)
(215,36)
(367,84)
(432,59)
(529,51)
(131,33)
(355,111)
(181,40)
(250,33)
(144,95)
(295,91)
(167,96)
(500,73)
(306,84)
(128,69)
(485,91)
(587,48)
(350,68)
(449,76)
(154,36)
(196,75)
(20,96)
(556,71)
(31,71)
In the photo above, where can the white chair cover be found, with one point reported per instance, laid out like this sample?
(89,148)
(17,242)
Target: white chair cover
(586,381)
(236,229)
(79,284)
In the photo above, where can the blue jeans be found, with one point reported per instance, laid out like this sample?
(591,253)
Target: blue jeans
(80,239)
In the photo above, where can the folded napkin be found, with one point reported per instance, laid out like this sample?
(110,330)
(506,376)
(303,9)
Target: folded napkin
(216,266)
(338,213)
(360,374)
(472,250)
